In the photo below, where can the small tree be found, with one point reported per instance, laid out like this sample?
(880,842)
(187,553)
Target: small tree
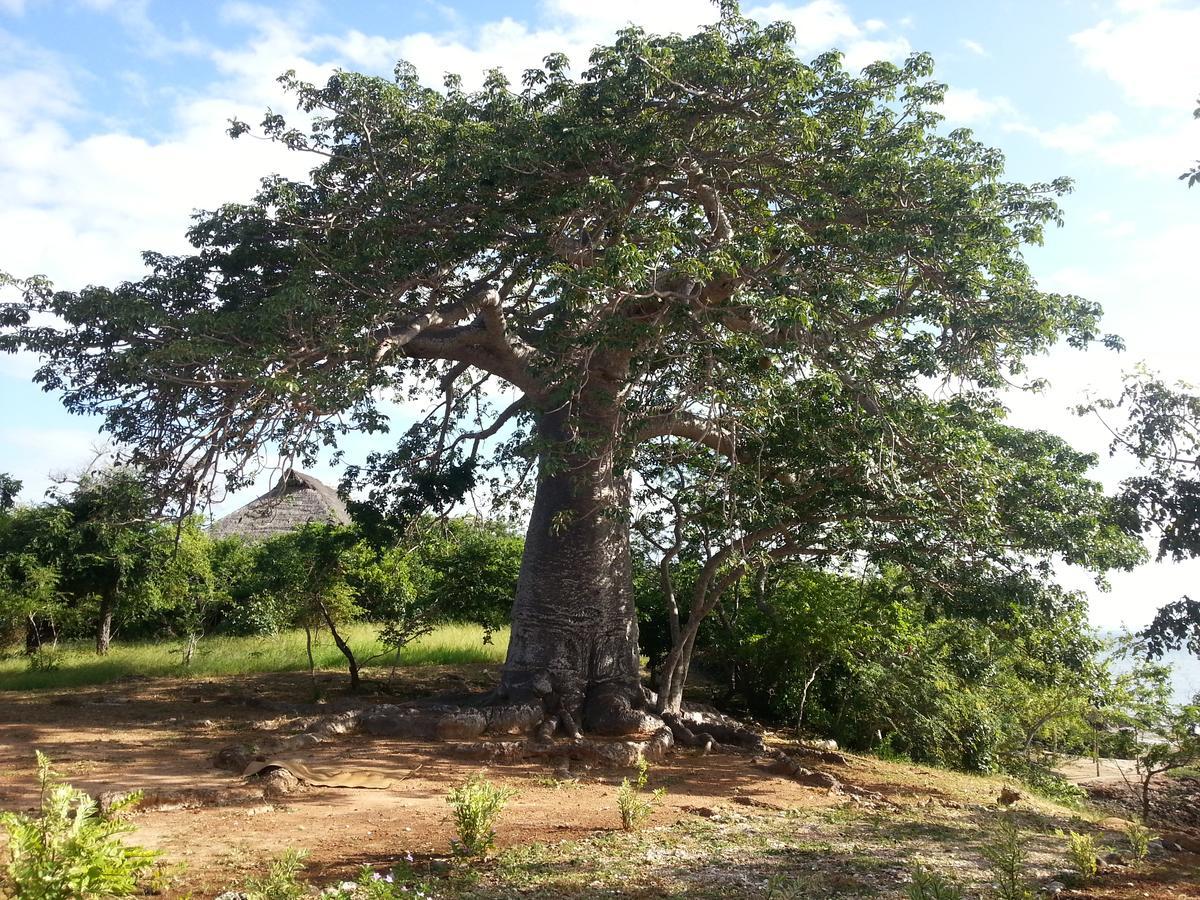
(306,571)
(1176,746)
(387,596)
(32,542)
(188,587)
(115,548)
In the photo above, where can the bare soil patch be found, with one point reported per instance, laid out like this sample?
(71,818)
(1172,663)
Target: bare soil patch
(160,736)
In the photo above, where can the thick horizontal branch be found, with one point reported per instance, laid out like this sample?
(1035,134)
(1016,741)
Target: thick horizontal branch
(689,427)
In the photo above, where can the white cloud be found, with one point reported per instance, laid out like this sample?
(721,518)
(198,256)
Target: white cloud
(135,18)
(12,7)
(1110,224)
(601,19)
(974,46)
(1083,136)
(826,24)
(1153,153)
(966,106)
(1151,53)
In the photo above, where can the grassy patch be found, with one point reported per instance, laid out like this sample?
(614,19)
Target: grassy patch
(79,665)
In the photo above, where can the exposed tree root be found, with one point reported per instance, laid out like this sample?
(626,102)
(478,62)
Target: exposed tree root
(510,732)
(780,763)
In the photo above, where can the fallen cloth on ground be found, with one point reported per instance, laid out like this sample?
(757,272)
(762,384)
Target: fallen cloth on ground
(321,776)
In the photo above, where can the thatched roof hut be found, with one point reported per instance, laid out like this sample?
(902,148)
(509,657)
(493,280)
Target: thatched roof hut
(296,500)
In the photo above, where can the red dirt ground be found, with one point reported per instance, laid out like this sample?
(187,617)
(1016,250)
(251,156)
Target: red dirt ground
(160,737)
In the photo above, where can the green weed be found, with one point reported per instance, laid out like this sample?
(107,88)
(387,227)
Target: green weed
(1138,836)
(1008,857)
(634,805)
(477,804)
(72,850)
(1083,853)
(281,881)
(929,885)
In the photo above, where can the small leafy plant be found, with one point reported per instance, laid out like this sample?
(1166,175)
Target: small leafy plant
(281,881)
(1083,852)
(72,850)
(1138,836)
(476,805)
(929,885)
(46,658)
(635,806)
(1008,857)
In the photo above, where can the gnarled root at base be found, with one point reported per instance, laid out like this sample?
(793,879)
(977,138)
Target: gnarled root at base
(709,730)
(511,731)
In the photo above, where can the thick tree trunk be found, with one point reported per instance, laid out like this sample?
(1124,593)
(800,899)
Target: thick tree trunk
(574,644)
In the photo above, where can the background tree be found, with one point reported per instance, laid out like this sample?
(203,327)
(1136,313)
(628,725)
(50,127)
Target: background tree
(683,244)
(188,587)
(306,573)
(32,606)
(1160,430)
(114,545)
(468,570)
(944,491)
(9,489)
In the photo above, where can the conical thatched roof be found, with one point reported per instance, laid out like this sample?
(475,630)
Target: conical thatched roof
(295,501)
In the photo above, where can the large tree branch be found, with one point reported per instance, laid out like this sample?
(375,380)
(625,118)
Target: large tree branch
(485,343)
(685,425)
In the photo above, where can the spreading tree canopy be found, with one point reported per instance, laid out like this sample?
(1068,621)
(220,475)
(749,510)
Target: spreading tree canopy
(700,245)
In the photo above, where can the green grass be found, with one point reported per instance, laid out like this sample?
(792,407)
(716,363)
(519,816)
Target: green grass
(79,665)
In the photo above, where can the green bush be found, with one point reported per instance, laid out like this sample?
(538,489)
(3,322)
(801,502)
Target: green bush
(1138,836)
(1044,781)
(633,804)
(929,885)
(281,881)
(1008,857)
(70,851)
(1083,852)
(476,805)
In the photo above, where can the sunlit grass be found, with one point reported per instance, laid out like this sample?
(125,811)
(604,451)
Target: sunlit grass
(79,665)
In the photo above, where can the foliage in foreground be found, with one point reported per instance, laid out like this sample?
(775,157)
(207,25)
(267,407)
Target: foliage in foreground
(281,880)
(1008,856)
(476,806)
(930,885)
(1083,852)
(72,851)
(634,805)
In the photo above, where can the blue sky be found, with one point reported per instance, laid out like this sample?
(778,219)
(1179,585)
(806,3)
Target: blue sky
(112,117)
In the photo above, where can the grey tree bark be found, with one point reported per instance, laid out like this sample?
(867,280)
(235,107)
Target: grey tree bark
(574,644)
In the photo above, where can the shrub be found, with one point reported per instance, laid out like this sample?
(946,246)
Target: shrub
(476,805)
(71,850)
(634,806)
(1082,851)
(1008,858)
(1138,836)
(929,885)
(281,881)
(1044,781)
(46,658)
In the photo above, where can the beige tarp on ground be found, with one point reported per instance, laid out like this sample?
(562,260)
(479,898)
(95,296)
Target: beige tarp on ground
(323,776)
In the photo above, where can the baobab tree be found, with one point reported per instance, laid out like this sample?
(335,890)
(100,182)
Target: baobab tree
(679,248)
